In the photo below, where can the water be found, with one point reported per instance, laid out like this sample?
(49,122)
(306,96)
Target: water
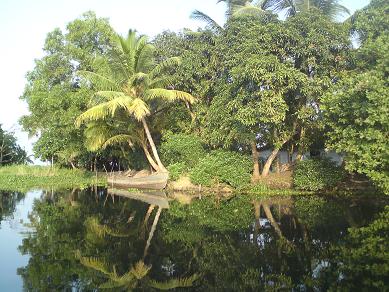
(80,240)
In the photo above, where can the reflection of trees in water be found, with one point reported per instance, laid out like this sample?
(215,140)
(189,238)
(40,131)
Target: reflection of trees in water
(8,202)
(287,242)
(85,239)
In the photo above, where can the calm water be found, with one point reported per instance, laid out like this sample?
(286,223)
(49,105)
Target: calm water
(80,240)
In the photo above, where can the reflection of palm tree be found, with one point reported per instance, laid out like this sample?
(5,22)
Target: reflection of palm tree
(135,276)
(155,222)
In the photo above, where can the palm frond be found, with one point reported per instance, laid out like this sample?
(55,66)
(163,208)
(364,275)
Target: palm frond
(140,270)
(138,108)
(110,284)
(110,95)
(96,133)
(164,65)
(144,52)
(95,113)
(161,82)
(169,95)
(248,9)
(174,283)
(127,279)
(138,78)
(96,264)
(289,6)
(212,24)
(117,139)
(93,225)
(100,81)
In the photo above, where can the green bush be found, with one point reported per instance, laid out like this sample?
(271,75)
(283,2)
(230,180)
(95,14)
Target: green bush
(222,166)
(316,174)
(176,170)
(181,148)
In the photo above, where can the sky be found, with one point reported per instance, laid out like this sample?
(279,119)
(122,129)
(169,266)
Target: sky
(24,25)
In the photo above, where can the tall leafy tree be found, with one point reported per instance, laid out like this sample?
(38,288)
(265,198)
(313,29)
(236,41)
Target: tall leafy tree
(357,110)
(53,92)
(272,75)
(134,85)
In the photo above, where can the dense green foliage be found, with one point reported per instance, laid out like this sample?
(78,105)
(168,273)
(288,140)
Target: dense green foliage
(357,110)
(259,83)
(84,238)
(10,151)
(182,148)
(24,178)
(221,166)
(53,91)
(316,174)
(363,261)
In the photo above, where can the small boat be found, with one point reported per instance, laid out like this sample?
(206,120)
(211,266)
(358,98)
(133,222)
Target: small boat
(154,181)
(152,197)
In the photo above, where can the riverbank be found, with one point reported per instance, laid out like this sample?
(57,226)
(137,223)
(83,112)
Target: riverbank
(26,177)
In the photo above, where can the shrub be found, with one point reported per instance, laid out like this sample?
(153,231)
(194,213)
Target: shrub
(176,170)
(222,166)
(181,148)
(316,174)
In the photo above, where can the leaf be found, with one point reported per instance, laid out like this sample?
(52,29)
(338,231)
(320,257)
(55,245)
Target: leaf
(174,283)
(169,95)
(140,270)
(100,81)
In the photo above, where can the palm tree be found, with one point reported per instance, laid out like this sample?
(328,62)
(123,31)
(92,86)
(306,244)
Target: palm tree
(134,278)
(235,8)
(128,84)
(330,8)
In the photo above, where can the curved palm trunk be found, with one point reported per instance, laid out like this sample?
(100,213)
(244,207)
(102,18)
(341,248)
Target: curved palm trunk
(155,222)
(149,157)
(152,145)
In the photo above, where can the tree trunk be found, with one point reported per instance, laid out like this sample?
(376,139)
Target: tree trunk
(155,222)
(255,156)
(149,157)
(278,163)
(269,161)
(271,219)
(300,150)
(72,164)
(152,145)
(257,216)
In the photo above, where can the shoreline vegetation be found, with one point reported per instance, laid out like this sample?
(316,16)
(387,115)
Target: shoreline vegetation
(261,103)
(29,177)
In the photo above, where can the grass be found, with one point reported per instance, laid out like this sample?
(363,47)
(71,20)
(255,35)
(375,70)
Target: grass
(25,177)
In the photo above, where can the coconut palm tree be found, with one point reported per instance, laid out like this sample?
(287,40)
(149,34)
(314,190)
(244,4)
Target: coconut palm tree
(235,8)
(134,278)
(127,86)
(331,8)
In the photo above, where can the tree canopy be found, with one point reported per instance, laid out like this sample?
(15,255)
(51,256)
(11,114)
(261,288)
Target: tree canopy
(259,84)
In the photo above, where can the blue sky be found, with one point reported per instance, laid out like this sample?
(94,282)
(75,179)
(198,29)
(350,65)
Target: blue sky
(25,23)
